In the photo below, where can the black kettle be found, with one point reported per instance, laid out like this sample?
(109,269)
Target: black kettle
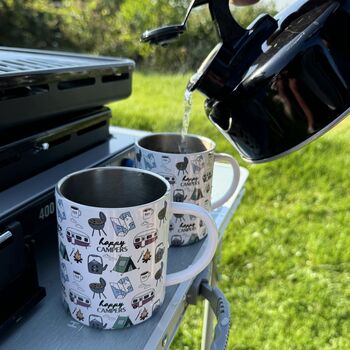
(280,83)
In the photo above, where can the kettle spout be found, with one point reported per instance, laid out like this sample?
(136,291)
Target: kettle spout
(193,82)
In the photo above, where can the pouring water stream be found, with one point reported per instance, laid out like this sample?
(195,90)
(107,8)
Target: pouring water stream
(186,119)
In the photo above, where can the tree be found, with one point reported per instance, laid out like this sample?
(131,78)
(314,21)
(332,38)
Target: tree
(114,28)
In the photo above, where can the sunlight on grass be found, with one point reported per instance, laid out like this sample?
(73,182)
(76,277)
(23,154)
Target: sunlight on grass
(286,257)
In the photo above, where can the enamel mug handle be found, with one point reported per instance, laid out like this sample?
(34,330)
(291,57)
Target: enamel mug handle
(235,181)
(211,243)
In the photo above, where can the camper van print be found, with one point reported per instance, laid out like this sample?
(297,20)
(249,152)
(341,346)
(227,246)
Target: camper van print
(142,298)
(144,238)
(79,299)
(77,237)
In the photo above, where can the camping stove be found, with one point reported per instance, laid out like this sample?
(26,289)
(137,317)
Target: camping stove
(28,224)
(53,122)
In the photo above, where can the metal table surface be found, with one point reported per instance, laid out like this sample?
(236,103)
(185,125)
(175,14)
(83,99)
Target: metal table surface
(48,326)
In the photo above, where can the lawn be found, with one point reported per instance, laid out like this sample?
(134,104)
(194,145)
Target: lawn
(286,254)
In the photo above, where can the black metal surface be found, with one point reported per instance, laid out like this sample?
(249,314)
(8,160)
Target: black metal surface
(281,83)
(37,85)
(295,90)
(29,156)
(34,221)
(36,214)
(19,288)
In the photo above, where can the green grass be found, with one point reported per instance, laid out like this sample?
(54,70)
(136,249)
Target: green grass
(286,254)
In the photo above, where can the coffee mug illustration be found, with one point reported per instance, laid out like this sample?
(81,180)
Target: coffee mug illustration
(113,269)
(187,163)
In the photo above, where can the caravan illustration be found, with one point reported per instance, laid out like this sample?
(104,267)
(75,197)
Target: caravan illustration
(144,238)
(77,237)
(79,299)
(142,298)
(123,224)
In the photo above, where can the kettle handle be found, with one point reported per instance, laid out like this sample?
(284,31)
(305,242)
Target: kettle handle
(228,29)
(94,256)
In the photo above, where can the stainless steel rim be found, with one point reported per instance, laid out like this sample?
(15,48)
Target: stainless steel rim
(128,171)
(205,141)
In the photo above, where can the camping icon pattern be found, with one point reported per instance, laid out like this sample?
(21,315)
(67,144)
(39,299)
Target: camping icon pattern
(190,177)
(113,266)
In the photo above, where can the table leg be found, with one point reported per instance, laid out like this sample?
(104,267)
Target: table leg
(209,317)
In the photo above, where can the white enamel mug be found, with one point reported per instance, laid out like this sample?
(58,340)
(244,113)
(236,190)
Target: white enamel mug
(113,255)
(188,165)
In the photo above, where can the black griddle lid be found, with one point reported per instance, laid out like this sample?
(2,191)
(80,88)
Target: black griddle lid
(27,62)
(37,86)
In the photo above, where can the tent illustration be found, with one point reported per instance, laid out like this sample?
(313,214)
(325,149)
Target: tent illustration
(124,264)
(63,251)
(197,194)
(122,322)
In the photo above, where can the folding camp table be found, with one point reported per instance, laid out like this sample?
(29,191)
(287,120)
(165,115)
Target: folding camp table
(49,327)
